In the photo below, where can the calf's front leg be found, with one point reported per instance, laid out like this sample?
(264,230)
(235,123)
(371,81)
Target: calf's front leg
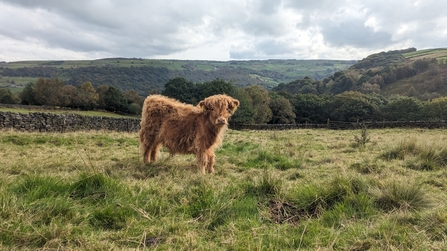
(202,161)
(210,163)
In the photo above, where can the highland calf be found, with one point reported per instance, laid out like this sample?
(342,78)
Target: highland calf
(185,129)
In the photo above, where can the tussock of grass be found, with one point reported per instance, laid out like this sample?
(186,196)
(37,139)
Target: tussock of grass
(426,157)
(404,148)
(96,187)
(267,159)
(284,190)
(267,186)
(400,195)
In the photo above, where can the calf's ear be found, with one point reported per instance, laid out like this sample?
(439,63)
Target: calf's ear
(233,104)
(202,105)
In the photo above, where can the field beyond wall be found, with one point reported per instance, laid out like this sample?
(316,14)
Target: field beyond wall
(306,189)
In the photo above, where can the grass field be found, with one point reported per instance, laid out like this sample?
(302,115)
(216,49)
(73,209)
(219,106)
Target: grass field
(276,190)
(440,54)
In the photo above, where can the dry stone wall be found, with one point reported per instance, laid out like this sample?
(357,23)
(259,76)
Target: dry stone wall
(334,125)
(50,122)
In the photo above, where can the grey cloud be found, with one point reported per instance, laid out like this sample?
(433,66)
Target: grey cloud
(319,5)
(267,48)
(354,33)
(268,7)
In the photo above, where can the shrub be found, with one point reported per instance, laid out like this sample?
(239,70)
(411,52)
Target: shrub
(363,138)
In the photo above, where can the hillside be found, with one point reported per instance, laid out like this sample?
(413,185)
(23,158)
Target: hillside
(415,73)
(422,74)
(144,75)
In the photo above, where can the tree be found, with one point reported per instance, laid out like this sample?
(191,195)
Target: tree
(404,108)
(133,97)
(134,108)
(27,95)
(182,90)
(48,92)
(217,86)
(378,80)
(351,106)
(86,96)
(379,102)
(102,90)
(421,64)
(310,108)
(436,109)
(115,101)
(259,100)
(244,113)
(135,101)
(68,95)
(305,85)
(341,84)
(281,109)
(7,97)
(370,88)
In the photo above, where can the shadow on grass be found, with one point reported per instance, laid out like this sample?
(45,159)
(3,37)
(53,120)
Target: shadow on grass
(134,168)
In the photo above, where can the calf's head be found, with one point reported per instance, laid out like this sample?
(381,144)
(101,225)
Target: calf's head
(219,108)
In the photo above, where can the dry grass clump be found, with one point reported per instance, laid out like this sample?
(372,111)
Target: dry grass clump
(421,154)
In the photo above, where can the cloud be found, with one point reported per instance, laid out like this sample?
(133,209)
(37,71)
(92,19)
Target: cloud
(218,30)
(355,34)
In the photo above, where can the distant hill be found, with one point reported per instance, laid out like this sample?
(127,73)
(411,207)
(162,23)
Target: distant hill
(422,74)
(145,75)
(412,72)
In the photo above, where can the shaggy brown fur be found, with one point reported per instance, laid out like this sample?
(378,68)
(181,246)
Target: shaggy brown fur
(185,129)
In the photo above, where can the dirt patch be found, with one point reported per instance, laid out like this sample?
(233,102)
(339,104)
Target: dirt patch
(152,241)
(285,212)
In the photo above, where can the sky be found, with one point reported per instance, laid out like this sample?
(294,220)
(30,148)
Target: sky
(217,29)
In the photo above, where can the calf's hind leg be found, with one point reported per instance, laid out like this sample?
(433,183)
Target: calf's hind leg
(145,152)
(148,148)
(154,151)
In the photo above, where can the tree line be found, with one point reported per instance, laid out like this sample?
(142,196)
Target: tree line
(143,79)
(258,105)
(53,92)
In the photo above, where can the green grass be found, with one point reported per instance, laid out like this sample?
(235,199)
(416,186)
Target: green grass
(424,53)
(279,190)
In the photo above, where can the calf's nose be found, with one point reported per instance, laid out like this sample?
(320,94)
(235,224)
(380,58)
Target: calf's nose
(221,120)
